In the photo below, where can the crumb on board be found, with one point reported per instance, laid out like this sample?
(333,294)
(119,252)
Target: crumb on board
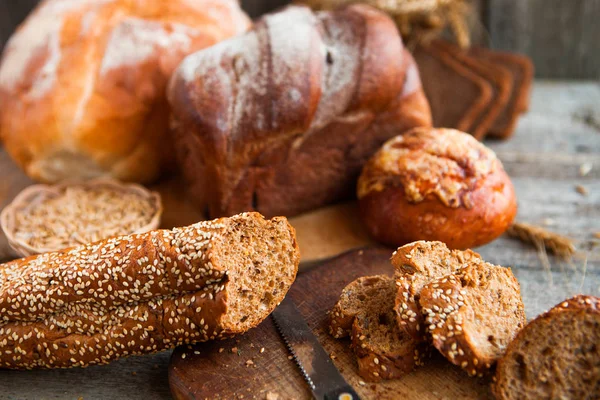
(221,349)
(582,190)
(249,363)
(262,349)
(272,396)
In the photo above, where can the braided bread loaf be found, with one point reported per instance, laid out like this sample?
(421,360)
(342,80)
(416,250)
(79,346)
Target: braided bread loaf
(281,119)
(144,293)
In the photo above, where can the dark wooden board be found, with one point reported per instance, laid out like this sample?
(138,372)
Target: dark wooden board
(208,372)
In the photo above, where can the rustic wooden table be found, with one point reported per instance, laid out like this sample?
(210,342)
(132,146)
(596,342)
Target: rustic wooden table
(560,133)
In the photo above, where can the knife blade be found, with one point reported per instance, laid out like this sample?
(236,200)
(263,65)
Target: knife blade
(322,376)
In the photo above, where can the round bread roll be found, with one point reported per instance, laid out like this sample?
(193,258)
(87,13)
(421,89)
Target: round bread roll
(436,184)
(82,83)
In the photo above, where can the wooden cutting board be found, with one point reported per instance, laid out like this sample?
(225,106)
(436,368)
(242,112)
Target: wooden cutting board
(239,368)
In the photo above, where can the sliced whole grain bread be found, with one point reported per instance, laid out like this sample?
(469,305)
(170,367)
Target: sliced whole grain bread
(473,314)
(556,356)
(416,264)
(383,351)
(457,95)
(352,302)
(522,71)
(498,76)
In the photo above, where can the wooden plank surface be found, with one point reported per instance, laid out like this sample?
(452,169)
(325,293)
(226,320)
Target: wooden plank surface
(559,134)
(560,36)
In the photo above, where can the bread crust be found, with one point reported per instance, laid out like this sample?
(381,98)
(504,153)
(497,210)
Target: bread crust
(287,125)
(449,312)
(82,84)
(577,305)
(436,184)
(131,295)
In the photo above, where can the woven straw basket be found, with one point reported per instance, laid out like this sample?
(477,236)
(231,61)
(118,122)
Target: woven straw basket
(36,194)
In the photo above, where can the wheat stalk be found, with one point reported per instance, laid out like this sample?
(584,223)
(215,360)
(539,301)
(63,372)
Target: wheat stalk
(417,20)
(560,245)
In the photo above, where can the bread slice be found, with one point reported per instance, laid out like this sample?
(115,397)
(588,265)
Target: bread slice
(499,78)
(556,356)
(416,264)
(473,314)
(457,95)
(522,71)
(352,302)
(382,350)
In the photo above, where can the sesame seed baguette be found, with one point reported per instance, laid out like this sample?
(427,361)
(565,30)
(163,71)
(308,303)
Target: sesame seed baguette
(556,356)
(416,264)
(473,314)
(144,293)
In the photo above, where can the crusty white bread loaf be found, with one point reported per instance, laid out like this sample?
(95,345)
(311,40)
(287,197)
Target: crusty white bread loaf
(82,83)
(144,293)
(556,356)
(281,119)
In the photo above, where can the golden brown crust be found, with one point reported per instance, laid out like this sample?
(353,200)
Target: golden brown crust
(281,122)
(82,83)
(436,184)
(127,295)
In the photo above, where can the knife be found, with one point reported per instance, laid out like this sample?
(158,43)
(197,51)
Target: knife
(324,379)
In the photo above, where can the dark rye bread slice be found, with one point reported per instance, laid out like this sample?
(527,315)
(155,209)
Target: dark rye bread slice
(352,302)
(473,314)
(556,356)
(383,351)
(499,78)
(457,95)
(522,71)
(416,264)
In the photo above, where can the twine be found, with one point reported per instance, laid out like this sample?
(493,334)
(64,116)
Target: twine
(417,20)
